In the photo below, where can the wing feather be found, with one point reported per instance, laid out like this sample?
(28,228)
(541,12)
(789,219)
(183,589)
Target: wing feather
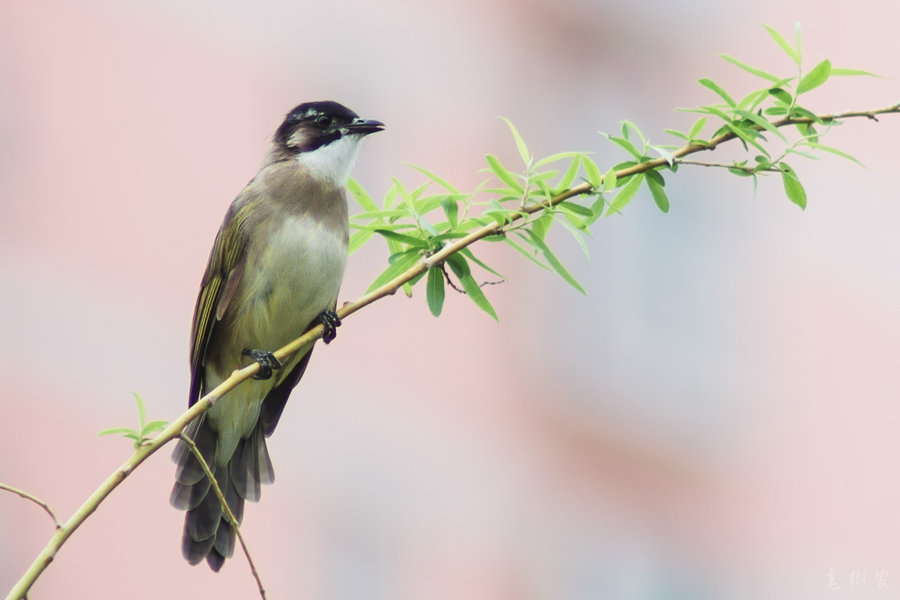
(218,288)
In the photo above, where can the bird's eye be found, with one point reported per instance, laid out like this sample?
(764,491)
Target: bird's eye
(323,121)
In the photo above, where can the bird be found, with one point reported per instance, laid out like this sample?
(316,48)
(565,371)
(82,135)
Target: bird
(274,271)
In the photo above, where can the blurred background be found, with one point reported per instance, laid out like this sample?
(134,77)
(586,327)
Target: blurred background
(717,418)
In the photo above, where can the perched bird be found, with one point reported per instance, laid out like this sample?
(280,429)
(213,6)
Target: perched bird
(274,271)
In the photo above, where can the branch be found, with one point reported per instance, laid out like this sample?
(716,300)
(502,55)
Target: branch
(34,499)
(174,429)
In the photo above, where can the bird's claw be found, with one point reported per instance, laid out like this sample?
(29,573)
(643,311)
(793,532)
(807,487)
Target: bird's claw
(330,321)
(267,362)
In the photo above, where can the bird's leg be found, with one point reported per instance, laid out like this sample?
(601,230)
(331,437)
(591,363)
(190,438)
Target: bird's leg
(330,321)
(267,362)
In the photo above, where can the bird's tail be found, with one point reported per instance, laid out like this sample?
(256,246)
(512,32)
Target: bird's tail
(207,532)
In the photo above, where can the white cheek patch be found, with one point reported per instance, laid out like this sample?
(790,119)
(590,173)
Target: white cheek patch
(333,162)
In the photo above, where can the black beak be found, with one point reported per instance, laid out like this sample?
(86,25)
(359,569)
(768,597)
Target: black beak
(364,126)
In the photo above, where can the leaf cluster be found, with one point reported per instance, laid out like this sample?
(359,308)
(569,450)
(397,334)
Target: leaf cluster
(144,429)
(518,207)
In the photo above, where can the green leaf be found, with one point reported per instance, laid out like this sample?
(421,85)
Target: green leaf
(629,126)
(451,209)
(524,252)
(831,150)
(578,232)
(401,263)
(782,96)
(664,153)
(438,180)
(390,197)
(657,191)
(382,214)
(359,194)
(815,78)
(468,254)
(541,225)
(434,290)
(697,127)
(712,85)
(792,186)
(119,431)
(838,72)
(358,239)
(569,176)
(609,180)
(752,70)
(575,208)
(596,210)
(555,157)
(154,426)
(625,194)
(403,239)
(520,143)
(794,53)
(752,100)
(626,145)
(761,122)
(554,262)
(593,173)
(502,174)
(460,268)
(677,134)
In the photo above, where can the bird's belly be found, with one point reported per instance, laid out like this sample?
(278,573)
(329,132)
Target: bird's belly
(297,276)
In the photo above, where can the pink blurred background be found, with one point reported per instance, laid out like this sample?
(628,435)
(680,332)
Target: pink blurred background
(716,419)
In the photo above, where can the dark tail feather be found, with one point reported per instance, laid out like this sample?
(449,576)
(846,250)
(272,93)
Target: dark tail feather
(207,534)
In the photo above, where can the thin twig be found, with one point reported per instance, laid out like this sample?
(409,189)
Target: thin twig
(173,430)
(34,499)
(745,168)
(232,520)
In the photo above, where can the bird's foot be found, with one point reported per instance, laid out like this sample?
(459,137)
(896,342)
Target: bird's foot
(267,362)
(330,321)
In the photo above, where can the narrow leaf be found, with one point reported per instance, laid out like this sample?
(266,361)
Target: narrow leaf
(609,180)
(520,143)
(434,290)
(451,209)
(404,239)
(530,256)
(554,262)
(555,157)
(468,254)
(785,45)
(460,268)
(838,72)
(697,127)
(402,262)
(834,151)
(595,177)
(438,180)
(792,186)
(712,85)
(658,193)
(815,78)
(625,194)
(569,176)
(359,194)
(358,239)
(752,70)
(502,174)
(781,95)
(626,145)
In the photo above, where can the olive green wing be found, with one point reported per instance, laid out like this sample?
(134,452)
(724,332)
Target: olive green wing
(220,283)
